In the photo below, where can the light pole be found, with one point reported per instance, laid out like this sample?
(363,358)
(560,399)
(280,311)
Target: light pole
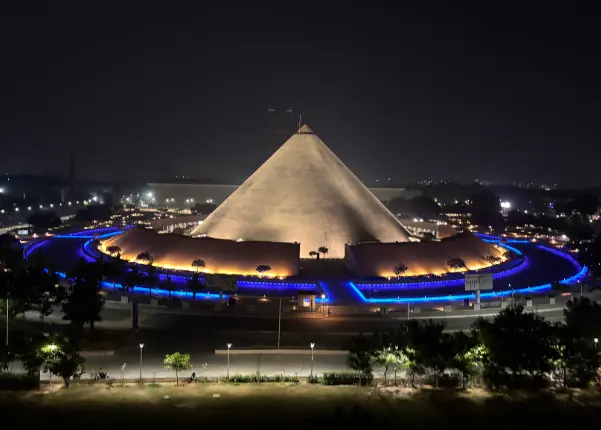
(596,341)
(229,345)
(279,322)
(323,303)
(312,346)
(141,348)
(7,320)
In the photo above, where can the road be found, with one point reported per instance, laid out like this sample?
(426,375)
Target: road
(200,334)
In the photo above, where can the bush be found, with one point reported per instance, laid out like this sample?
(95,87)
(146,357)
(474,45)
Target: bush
(351,377)
(313,379)
(9,382)
(452,380)
(249,379)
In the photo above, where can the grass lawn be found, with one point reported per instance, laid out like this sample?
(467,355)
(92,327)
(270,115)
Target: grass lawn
(290,407)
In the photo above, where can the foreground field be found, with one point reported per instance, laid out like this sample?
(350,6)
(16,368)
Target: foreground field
(290,406)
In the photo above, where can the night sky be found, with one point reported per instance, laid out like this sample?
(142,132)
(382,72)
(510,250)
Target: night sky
(138,91)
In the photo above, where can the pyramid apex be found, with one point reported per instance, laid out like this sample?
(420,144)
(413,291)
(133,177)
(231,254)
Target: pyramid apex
(305,129)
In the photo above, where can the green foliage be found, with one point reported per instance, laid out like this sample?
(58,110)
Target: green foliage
(177,362)
(60,358)
(257,379)
(198,264)
(400,269)
(346,378)
(520,348)
(263,268)
(313,379)
(10,382)
(84,303)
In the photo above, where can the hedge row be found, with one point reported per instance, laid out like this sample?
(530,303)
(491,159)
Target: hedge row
(349,377)
(10,382)
(245,379)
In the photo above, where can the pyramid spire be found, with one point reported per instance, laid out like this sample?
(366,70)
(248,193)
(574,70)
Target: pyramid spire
(305,129)
(303,193)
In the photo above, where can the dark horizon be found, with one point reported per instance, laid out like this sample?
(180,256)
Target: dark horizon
(140,92)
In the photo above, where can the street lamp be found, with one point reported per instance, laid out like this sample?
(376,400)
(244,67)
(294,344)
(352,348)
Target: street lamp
(596,340)
(229,345)
(323,298)
(141,347)
(312,346)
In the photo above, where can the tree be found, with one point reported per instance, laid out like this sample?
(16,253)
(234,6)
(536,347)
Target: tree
(44,220)
(204,208)
(84,303)
(60,358)
(359,357)
(177,362)
(323,250)
(491,259)
(169,286)
(520,348)
(314,254)
(94,213)
(583,318)
(131,278)
(485,208)
(456,264)
(387,357)
(400,269)
(195,285)
(590,255)
(468,355)
(114,250)
(585,205)
(148,260)
(263,268)
(198,264)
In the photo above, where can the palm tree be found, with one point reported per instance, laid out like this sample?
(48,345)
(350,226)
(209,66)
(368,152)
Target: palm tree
(194,284)
(263,268)
(314,254)
(400,270)
(198,264)
(323,250)
(114,250)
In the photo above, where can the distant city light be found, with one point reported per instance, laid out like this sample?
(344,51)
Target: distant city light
(505,205)
(209,201)
(149,194)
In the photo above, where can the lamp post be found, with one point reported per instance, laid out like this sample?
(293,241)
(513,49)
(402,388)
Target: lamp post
(7,320)
(279,323)
(596,340)
(312,346)
(229,345)
(323,304)
(141,357)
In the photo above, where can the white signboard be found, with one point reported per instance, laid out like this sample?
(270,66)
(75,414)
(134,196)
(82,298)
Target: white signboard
(221,282)
(475,282)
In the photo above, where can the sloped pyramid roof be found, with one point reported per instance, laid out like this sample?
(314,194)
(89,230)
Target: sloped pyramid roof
(304,193)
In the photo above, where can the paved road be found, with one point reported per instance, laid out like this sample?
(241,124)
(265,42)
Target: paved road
(203,333)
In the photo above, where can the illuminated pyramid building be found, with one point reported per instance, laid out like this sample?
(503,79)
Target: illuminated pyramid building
(303,193)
